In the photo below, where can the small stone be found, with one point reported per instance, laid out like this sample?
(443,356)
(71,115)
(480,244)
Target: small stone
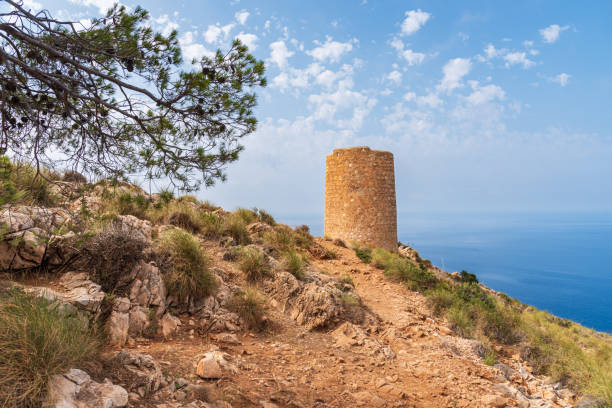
(494,401)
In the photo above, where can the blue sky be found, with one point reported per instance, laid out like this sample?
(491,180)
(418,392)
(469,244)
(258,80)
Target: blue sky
(486,105)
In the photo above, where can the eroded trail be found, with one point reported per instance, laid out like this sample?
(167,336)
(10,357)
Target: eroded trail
(401,358)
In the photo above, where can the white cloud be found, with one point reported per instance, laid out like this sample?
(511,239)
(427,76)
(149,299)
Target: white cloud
(395,77)
(484,94)
(327,78)
(551,33)
(241,16)
(214,32)
(454,71)
(330,50)
(248,39)
(431,100)
(267,25)
(411,57)
(32,4)
(166,24)
(102,5)
(562,79)
(514,58)
(415,19)
(192,50)
(280,54)
(491,51)
(344,108)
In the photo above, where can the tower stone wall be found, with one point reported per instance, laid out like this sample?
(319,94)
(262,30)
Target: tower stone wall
(360,197)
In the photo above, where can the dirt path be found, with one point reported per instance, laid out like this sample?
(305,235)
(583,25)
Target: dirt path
(291,367)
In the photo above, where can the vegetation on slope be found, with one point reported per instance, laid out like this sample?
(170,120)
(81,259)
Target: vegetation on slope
(37,341)
(186,268)
(566,351)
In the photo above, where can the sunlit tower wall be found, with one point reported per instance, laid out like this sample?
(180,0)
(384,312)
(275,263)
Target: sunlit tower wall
(360,197)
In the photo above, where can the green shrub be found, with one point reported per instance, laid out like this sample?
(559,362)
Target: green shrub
(207,206)
(490,358)
(188,198)
(294,263)
(235,226)
(23,184)
(185,266)
(266,217)
(364,254)
(468,277)
(253,264)
(211,226)
(380,258)
(74,177)
(440,299)
(460,321)
(166,196)
(250,305)
(404,270)
(37,342)
(349,299)
(136,205)
(346,278)
(184,220)
(248,216)
(281,237)
(302,237)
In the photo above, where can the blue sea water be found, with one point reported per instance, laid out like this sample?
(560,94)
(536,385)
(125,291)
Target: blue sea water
(561,263)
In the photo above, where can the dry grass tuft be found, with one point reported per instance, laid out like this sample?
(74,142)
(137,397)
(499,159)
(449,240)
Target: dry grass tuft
(37,342)
(250,305)
(253,264)
(185,267)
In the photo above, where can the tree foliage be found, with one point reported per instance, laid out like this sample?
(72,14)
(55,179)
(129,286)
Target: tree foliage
(115,98)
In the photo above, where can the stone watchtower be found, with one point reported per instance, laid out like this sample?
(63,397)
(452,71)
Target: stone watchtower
(360,197)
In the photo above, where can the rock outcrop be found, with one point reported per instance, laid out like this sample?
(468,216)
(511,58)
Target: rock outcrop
(76,389)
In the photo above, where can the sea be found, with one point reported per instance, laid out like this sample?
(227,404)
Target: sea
(558,262)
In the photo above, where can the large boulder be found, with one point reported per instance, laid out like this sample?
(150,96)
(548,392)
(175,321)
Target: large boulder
(316,302)
(34,237)
(76,389)
(215,364)
(140,372)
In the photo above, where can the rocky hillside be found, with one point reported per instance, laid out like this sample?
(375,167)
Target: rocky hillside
(111,298)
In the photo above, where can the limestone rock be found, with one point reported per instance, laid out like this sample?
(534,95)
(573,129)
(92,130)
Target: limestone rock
(147,286)
(258,228)
(131,223)
(348,335)
(81,291)
(227,338)
(76,389)
(118,323)
(31,239)
(214,364)
(493,401)
(366,398)
(144,373)
(139,320)
(169,325)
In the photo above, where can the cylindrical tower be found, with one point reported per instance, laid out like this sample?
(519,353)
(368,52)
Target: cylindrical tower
(360,197)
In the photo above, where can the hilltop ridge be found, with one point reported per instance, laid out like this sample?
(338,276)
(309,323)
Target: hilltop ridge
(195,306)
